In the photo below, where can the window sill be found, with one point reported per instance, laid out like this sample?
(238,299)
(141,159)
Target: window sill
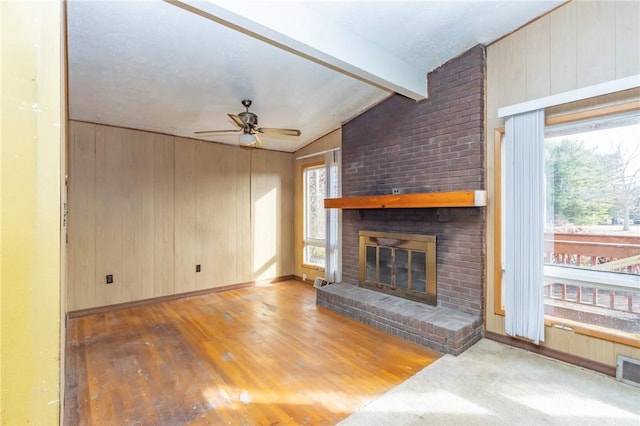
(314,267)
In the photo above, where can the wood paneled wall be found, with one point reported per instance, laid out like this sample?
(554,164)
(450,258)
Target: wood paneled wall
(148,208)
(577,45)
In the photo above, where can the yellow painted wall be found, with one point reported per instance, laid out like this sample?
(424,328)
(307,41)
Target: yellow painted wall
(30,137)
(1,240)
(577,45)
(329,141)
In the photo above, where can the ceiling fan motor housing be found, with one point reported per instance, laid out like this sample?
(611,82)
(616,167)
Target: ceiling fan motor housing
(249,118)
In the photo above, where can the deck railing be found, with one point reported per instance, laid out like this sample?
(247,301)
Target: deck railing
(617,302)
(588,295)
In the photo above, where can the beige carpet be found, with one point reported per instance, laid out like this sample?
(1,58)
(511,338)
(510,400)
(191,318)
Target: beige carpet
(496,384)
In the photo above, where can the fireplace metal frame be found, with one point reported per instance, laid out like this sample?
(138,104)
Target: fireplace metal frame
(403,241)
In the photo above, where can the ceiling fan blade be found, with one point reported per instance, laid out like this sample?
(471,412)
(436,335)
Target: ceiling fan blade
(212,132)
(285,132)
(238,120)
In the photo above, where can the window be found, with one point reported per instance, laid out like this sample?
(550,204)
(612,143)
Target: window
(591,187)
(592,241)
(314,187)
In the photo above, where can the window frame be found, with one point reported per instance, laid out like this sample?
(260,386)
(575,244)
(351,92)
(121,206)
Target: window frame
(313,242)
(611,280)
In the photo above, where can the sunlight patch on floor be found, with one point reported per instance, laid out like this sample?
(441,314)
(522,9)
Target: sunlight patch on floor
(440,402)
(564,404)
(232,398)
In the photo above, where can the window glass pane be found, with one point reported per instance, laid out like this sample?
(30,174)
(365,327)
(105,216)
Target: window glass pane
(313,255)
(314,215)
(592,220)
(315,187)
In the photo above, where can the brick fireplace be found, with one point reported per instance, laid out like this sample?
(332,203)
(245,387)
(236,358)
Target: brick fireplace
(420,147)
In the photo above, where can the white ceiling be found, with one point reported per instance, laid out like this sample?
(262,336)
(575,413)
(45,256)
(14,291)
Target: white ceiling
(153,65)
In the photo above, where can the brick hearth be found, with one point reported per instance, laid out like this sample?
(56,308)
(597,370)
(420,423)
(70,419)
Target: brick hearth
(441,329)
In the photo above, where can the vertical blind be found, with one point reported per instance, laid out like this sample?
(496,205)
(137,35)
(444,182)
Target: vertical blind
(524,225)
(333,251)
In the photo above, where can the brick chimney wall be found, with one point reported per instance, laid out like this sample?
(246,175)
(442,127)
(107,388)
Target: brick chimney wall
(427,146)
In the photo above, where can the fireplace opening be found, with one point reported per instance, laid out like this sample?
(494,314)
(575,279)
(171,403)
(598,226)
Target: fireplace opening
(402,265)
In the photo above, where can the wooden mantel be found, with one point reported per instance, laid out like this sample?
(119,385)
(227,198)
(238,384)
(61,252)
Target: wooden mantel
(409,201)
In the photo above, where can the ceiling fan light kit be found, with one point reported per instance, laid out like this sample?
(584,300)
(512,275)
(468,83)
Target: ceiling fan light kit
(247,123)
(247,139)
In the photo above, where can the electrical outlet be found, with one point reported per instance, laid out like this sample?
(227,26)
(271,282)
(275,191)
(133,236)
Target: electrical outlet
(198,268)
(395,191)
(110,279)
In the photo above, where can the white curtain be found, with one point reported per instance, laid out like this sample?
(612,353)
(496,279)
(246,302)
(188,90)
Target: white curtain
(333,236)
(524,225)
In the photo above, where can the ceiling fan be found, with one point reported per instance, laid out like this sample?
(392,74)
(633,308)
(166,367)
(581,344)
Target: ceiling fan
(247,123)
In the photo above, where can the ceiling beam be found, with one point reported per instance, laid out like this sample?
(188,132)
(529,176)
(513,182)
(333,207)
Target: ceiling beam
(304,33)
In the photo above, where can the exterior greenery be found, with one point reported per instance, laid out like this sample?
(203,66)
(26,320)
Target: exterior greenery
(585,187)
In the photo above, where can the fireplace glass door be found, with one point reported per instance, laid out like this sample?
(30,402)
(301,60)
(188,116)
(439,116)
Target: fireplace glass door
(400,264)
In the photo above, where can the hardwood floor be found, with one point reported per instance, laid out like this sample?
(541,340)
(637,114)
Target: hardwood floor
(255,356)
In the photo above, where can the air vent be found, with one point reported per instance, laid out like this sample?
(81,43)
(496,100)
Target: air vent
(319,282)
(628,370)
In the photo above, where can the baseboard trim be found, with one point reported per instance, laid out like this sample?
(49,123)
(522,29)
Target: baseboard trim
(552,353)
(298,278)
(171,297)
